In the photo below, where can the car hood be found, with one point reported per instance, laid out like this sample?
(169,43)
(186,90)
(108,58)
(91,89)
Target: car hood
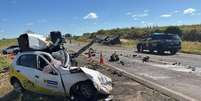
(101,82)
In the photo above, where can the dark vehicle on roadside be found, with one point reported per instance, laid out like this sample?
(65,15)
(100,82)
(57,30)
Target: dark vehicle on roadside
(160,42)
(11,50)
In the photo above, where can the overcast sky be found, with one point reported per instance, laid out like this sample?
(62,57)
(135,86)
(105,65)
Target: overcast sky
(80,16)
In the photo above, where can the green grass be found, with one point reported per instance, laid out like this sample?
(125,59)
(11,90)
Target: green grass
(7,42)
(191,47)
(129,43)
(4,62)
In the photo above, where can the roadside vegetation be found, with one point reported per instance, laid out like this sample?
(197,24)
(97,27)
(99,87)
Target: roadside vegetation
(190,35)
(4,61)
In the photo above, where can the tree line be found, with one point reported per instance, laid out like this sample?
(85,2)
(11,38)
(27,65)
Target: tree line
(186,32)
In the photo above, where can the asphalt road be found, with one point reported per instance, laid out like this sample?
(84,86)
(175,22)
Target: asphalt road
(176,77)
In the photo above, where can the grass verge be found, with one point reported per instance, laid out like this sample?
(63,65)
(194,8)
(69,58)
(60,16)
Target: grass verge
(4,61)
(191,47)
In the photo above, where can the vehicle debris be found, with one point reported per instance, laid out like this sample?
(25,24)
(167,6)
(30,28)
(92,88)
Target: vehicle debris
(193,68)
(121,62)
(91,52)
(106,40)
(114,57)
(145,59)
(50,65)
(134,55)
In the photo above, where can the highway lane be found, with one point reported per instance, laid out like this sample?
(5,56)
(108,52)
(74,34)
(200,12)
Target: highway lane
(186,82)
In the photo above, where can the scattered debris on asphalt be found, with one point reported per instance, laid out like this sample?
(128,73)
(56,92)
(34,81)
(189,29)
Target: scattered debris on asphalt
(122,63)
(114,57)
(145,59)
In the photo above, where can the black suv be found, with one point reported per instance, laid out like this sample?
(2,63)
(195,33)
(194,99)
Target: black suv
(160,42)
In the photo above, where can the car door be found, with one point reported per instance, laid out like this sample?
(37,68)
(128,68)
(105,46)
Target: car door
(49,83)
(25,67)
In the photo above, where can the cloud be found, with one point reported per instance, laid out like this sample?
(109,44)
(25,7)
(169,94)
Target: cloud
(146,11)
(42,21)
(140,15)
(29,24)
(2,31)
(143,22)
(176,11)
(190,11)
(128,13)
(90,16)
(165,16)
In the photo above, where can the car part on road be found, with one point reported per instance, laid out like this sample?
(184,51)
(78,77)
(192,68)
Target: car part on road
(114,57)
(145,59)
(122,63)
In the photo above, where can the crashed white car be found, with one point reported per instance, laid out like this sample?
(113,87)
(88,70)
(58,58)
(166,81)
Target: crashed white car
(27,73)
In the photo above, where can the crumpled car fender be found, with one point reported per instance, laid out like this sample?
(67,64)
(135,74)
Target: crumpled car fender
(100,81)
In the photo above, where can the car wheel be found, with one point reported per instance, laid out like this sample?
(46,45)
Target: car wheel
(140,48)
(151,51)
(17,86)
(84,91)
(160,52)
(173,52)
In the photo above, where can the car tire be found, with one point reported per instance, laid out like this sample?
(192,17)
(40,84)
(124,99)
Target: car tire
(160,52)
(140,48)
(17,86)
(151,51)
(84,91)
(173,52)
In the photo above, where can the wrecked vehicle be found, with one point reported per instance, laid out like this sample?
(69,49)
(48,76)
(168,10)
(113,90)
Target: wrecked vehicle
(50,72)
(11,50)
(106,40)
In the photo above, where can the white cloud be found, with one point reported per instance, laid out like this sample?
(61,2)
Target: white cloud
(140,15)
(29,24)
(128,13)
(143,22)
(176,11)
(42,21)
(165,15)
(146,11)
(190,11)
(90,16)
(136,19)
(2,31)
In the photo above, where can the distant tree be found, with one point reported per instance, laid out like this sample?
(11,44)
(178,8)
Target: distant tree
(158,31)
(101,32)
(86,35)
(68,35)
(174,30)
